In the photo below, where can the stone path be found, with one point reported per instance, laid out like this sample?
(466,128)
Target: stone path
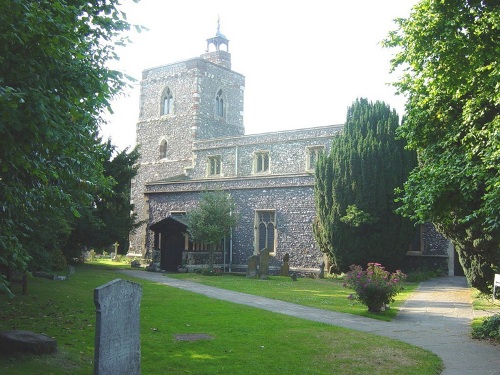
(436,317)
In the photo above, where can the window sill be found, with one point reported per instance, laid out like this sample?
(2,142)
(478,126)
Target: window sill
(261,173)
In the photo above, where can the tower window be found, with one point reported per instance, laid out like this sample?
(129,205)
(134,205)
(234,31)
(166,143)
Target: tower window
(261,162)
(214,165)
(163,149)
(168,103)
(312,156)
(265,230)
(219,104)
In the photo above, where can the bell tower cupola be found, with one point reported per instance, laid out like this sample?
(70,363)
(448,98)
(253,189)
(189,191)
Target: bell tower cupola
(219,56)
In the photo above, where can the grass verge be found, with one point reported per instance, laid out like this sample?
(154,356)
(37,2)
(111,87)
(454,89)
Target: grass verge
(328,294)
(245,340)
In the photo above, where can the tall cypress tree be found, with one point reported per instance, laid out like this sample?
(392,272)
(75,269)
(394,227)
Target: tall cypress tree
(354,190)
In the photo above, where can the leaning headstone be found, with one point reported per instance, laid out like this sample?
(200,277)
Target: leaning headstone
(322,270)
(294,277)
(285,267)
(264,264)
(253,261)
(117,343)
(26,341)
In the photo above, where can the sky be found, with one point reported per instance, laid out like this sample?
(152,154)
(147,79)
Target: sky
(304,62)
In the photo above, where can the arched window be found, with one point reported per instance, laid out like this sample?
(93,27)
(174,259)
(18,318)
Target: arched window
(163,149)
(168,102)
(219,104)
(265,230)
(313,153)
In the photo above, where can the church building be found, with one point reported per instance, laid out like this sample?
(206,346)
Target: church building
(192,139)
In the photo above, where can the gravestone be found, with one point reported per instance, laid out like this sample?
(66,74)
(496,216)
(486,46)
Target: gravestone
(264,264)
(117,344)
(285,267)
(26,341)
(322,270)
(115,256)
(253,261)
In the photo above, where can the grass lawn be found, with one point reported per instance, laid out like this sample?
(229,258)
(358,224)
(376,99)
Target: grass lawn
(245,340)
(481,301)
(326,293)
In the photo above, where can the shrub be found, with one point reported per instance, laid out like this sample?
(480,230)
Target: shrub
(419,275)
(374,287)
(58,260)
(489,329)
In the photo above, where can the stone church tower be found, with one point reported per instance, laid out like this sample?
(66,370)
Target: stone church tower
(180,103)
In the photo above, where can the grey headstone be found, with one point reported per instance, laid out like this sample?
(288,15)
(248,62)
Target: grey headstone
(253,261)
(26,341)
(322,271)
(117,342)
(285,269)
(264,264)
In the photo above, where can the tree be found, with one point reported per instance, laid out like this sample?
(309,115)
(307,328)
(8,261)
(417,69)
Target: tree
(107,218)
(54,86)
(448,52)
(212,220)
(354,190)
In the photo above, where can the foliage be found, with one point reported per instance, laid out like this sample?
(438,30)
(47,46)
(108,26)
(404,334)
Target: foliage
(354,190)
(374,287)
(107,218)
(212,220)
(54,86)
(488,329)
(423,274)
(448,53)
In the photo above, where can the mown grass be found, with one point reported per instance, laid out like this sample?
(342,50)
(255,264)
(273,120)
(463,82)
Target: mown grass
(328,294)
(482,301)
(245,340)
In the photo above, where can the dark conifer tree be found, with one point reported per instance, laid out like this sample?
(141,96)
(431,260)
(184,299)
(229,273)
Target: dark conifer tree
(107,219)
(354,190)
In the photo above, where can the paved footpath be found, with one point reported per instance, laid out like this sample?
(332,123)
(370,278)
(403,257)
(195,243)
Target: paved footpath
(436,317)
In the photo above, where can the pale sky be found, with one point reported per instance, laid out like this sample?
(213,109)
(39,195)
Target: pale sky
(304,62)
